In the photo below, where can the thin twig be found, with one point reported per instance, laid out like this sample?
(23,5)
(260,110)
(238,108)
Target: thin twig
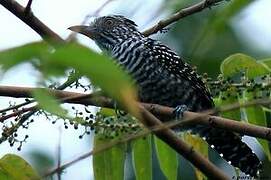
(28,7)
(35,107)
(26,116)
(16,113)
(96,150)
(16,106)
(59,153)
(181,14)
(44,31)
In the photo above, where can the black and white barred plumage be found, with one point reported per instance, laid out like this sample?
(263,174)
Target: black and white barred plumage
(164,78)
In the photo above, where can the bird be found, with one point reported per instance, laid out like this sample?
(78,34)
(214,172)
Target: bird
(165,78)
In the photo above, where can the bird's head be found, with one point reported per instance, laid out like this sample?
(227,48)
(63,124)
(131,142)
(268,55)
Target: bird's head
(108,31)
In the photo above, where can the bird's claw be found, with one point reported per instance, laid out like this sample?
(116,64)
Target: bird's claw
(179,110)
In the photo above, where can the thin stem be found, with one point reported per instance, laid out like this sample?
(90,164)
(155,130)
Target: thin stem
(28,7)
(205,4)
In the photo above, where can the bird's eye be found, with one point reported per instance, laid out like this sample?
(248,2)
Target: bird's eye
(109,22)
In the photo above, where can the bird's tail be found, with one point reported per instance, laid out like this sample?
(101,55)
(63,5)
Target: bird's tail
(233,150)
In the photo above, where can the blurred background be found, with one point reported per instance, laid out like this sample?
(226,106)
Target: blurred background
(204,39)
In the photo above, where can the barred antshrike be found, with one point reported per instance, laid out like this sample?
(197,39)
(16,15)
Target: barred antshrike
(164,78)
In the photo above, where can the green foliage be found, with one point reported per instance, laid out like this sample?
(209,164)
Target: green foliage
(200,146)
(240,62)
(108,164)
(13,167)
(20,54)
(252,70)
(96,67)
(206,38)
(142,158)
(49,103)
(256,115)
(238,69)
(167,159)
(100,69)
(228,97)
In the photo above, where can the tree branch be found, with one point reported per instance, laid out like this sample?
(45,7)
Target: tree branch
(190,118)
(47,34)
(181,14)
(32,21)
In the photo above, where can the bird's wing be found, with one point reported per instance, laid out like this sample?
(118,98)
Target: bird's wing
(174,64)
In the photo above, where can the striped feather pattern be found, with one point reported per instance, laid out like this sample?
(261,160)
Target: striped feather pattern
(164,78)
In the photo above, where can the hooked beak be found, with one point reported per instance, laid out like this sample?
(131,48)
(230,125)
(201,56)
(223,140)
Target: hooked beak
(88,31)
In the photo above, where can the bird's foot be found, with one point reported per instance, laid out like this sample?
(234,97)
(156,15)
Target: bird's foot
(179,110)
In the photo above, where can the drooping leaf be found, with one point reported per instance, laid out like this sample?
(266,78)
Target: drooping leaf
(20,54)
(142,158)
(200,146)
(108,164)
(241,62)
(15,168)
(49,103)
(167,158)
(99,68)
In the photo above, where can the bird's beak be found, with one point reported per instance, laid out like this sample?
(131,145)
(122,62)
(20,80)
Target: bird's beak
(86,30)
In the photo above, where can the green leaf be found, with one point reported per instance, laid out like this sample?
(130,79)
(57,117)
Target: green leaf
(256,115)
(200,146)
(20,54)
(106,112)
(240,62)
(167,158)
(15,168)
(228,97)
(49,103)
(108,164)
(266,62)
(142,158)
(99,68)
